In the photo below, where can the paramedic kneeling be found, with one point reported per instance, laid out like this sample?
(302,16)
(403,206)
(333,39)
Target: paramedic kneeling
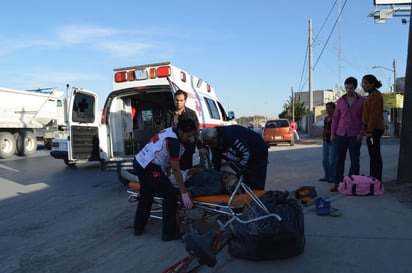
(163,151)
(241,145)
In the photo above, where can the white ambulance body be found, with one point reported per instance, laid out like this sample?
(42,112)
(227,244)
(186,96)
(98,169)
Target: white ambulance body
(133,113)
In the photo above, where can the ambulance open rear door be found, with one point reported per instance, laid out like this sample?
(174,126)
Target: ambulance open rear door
(83,126)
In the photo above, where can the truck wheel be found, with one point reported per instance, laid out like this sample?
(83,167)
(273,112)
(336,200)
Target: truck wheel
(7,145)
(48,144)
(26,143)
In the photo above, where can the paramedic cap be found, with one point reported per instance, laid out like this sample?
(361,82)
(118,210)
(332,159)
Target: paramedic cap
(208,134)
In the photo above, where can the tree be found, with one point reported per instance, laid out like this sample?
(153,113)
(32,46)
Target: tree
(298,106)
(255,120)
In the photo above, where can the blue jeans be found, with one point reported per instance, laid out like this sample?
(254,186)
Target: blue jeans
(344,143)
(329,160)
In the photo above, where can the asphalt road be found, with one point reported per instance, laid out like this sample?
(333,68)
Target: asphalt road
(55,218)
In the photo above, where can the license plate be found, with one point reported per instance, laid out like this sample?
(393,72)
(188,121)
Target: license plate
(278,137)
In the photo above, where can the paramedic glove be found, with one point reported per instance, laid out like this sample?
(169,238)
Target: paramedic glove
(186,200)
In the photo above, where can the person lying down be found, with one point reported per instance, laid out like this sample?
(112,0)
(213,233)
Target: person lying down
(200,182)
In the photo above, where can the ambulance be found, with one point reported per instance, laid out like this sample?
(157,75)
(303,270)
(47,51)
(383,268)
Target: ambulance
(132,114)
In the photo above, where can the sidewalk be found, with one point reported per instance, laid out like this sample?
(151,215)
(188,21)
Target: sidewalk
(373,234)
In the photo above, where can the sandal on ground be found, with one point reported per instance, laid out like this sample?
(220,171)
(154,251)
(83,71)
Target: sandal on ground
(334,212)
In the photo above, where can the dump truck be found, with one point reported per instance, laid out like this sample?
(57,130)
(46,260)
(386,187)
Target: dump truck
(29,117)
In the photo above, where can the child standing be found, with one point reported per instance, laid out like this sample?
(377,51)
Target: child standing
(328,147)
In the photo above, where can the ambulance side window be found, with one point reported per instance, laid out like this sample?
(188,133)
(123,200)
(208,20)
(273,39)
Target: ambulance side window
(222,110)
(211,106)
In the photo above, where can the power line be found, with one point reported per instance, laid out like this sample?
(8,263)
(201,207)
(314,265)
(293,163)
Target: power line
(304,68)
(330,34)
(325,44)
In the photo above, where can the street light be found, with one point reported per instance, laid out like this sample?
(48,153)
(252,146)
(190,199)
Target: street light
(392,70)
(394,111)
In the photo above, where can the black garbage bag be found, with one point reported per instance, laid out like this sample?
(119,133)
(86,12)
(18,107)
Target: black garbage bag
(270,238)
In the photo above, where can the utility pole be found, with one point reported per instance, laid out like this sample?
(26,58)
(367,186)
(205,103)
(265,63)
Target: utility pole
(405,147)
(293,105)
(395,110)
(310,125)
(394,75)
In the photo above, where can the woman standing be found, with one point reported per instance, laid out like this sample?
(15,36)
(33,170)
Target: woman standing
(372,119)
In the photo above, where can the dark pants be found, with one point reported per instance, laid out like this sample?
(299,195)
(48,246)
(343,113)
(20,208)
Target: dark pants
(342,144)
(153,180)
(186,160)
(255,176)
(374,149)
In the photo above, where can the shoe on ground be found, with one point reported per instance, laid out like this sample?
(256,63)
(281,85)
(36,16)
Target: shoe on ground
(334,189)
(171,237)
(323,179)
(138,232)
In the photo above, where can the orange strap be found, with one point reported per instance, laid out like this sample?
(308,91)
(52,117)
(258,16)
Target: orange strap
(224,198)
(214,199)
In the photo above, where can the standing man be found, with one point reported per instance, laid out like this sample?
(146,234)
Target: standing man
(241,145)
(372,119)
(181,111)
(347,130)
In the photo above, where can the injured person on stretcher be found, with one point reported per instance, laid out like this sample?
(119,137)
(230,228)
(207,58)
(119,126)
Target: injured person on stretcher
(201,182)
(198,181)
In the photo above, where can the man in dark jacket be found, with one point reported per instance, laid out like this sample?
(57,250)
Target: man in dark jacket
(180,111)
(241,145)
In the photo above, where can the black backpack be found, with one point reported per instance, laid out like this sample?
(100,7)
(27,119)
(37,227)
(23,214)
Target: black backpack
(270,238)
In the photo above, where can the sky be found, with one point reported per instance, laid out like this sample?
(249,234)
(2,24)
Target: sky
(252,52)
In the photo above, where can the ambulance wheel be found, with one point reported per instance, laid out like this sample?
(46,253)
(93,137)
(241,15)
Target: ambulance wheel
(26,143)
(121,179)
(7,145)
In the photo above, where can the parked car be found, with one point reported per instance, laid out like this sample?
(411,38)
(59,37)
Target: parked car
(277,131)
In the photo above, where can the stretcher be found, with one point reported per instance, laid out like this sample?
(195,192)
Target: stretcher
(225,205)
(202,248)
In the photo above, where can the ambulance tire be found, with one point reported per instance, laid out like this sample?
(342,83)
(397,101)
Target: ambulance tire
(7,145)
(26,143)
(122,180)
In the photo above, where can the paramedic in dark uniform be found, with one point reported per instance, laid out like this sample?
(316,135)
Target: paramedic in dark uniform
(181,111)
(241,145)
(152,163)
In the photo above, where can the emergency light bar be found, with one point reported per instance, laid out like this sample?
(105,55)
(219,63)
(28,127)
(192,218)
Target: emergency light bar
(139,73)
(142,74)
